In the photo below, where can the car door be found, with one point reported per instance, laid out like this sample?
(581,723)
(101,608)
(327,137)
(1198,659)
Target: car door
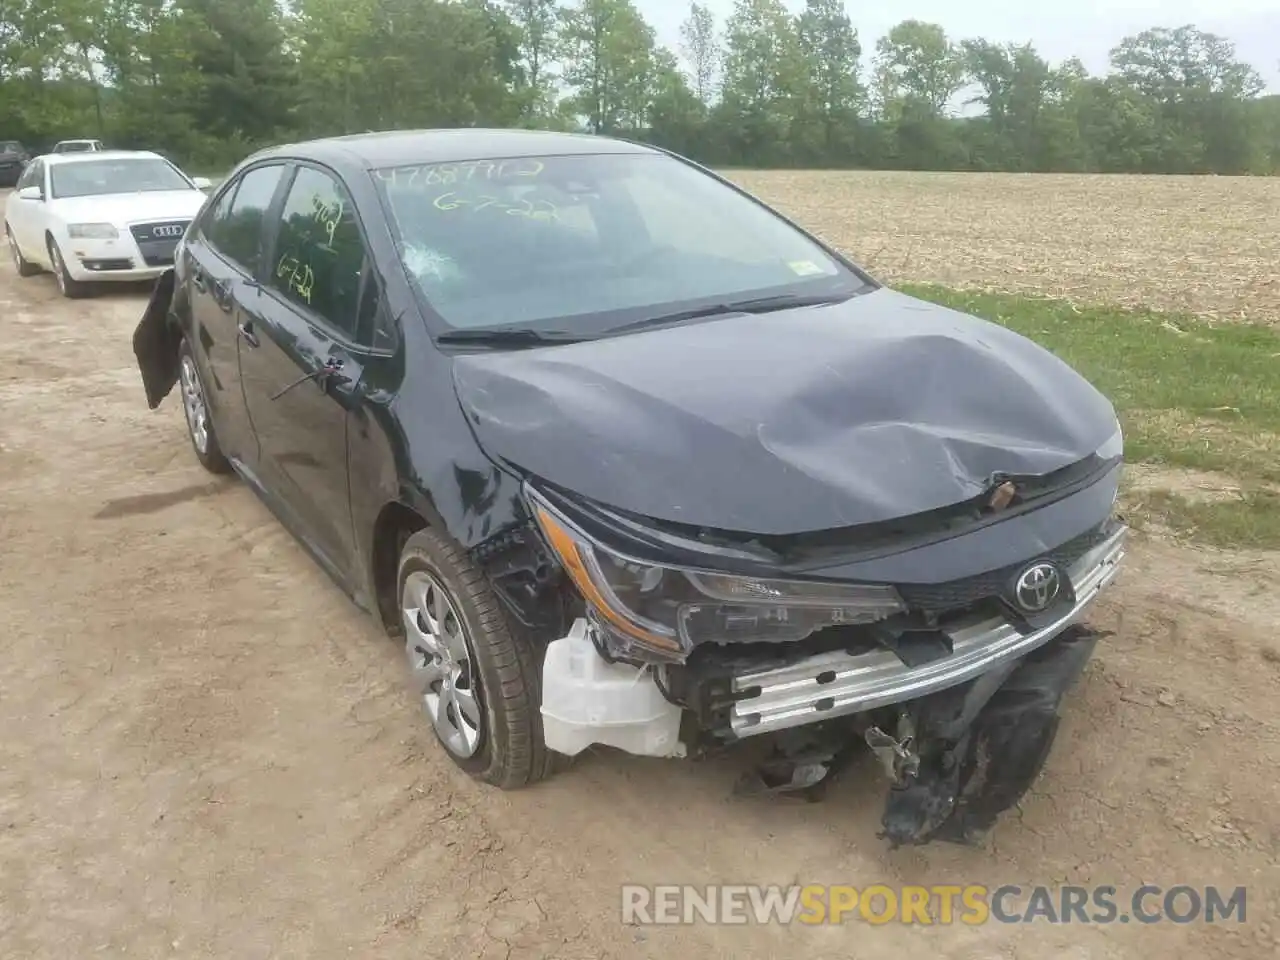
(223,260)
(24,216)
(302,367)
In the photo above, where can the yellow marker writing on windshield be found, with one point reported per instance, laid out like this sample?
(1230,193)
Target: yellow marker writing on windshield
(533,209)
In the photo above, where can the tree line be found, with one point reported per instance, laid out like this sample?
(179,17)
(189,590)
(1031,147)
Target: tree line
(208,81)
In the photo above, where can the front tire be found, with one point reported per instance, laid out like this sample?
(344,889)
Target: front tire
(68,286)
(196,408)
(476,679)
(24,266)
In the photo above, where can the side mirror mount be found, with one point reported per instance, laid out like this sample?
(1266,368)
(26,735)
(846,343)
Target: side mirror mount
(31,193)
(202,183)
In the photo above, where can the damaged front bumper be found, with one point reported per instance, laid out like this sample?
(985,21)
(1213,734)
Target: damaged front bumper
(969,731)
(837,684)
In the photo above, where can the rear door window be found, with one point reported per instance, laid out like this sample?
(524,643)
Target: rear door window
(215,215)
(235,225)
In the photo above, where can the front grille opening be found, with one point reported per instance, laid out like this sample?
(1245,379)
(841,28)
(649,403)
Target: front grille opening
(959,595)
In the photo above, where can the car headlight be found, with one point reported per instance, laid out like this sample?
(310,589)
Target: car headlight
(92,231)
(662,612)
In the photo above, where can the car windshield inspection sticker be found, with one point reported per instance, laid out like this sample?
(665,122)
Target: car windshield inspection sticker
(804,268)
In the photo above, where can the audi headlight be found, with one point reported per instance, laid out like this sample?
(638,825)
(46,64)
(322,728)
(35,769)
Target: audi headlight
(662,612)
(92,231)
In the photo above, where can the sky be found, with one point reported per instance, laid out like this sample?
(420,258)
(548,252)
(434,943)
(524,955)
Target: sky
(1084,28)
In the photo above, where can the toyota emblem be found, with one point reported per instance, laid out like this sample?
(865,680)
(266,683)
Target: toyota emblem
(1037,587)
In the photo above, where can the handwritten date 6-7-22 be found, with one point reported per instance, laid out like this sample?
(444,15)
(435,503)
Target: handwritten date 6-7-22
(534,209)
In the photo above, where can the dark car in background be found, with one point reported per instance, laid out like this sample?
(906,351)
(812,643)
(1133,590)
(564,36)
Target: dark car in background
(13,160)
(625,457)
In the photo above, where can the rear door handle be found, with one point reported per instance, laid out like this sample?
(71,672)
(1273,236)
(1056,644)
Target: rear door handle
(222,294)
(197,280)
(246,331)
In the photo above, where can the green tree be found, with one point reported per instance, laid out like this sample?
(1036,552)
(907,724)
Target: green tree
(916,61)
(1165,63)
(701,49)
(1201,88)
(1021,94)
(607,52)
(536,22)
(918,72)
(380,64)
(762,79)
(830,94)
(244,94)
(209,80)
(677,116)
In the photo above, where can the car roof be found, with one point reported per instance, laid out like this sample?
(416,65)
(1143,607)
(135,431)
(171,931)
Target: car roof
(393,147)
(59,158)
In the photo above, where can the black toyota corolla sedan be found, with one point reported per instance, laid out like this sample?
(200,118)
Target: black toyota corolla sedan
(626,458)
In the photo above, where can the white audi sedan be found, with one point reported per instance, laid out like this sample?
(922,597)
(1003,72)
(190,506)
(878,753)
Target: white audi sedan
(105,215)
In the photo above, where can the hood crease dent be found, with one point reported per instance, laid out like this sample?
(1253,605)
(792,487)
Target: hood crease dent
(874,409)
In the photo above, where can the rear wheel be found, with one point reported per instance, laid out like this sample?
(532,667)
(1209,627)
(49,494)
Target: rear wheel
(24,267)
(68,285)
(477,680)
(199,426)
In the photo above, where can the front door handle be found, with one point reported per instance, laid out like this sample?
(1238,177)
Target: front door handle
(197,280)
(332,375)
(245,330)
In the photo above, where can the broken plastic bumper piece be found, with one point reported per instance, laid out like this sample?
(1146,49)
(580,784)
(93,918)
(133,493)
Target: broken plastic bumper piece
(588,701)
(836,684)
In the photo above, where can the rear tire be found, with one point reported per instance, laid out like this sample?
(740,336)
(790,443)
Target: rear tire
(68,286)
(24,266)
(196,408)
(469,664)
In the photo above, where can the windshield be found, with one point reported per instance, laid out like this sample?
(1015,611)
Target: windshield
(92,178)
(587,243)
(10,146)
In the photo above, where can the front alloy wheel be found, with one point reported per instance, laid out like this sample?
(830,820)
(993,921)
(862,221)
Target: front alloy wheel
(68,286)
(475,675)
(442,664)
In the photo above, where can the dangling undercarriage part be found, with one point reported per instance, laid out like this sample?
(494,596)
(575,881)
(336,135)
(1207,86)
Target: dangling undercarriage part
(957,759)
(982,744)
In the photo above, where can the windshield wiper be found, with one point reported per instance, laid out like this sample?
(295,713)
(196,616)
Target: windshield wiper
(783,301)
(508,336)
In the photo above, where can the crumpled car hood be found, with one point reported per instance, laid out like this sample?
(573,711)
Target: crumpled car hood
(880,407)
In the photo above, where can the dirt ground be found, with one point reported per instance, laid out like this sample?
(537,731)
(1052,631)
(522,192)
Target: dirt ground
(206,751)
(1203,245)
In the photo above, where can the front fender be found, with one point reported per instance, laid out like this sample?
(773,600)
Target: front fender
(156,341)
